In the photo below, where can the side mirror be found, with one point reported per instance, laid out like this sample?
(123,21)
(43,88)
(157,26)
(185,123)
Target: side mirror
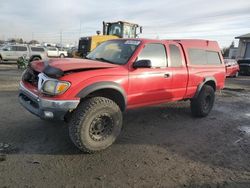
(98,32)
(144,63)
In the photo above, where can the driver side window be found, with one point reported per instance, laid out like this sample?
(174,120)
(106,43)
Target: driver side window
(156,53)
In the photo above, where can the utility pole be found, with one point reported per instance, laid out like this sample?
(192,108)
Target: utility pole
(61,38)
(80,31)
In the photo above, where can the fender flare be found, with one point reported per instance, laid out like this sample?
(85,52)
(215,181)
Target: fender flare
(103,85)
(205,80)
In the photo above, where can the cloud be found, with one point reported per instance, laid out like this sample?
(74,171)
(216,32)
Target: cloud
(44,20)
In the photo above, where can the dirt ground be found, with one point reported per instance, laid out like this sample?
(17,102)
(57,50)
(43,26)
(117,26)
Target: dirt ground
(160,146)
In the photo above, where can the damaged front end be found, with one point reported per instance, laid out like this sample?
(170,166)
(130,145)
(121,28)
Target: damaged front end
(36,93)
(42,86)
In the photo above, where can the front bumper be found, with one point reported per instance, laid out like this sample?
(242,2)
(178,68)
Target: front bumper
(45,108)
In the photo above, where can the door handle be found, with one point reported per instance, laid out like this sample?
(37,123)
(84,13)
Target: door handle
(167,75)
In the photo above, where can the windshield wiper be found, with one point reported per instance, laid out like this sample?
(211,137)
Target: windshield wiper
(105,60)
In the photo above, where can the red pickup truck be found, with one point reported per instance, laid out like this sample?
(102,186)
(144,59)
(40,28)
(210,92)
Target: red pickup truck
(91,94)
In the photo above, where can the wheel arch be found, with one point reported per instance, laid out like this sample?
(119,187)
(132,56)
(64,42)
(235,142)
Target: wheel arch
(34,56)
(211,81)
(107,89)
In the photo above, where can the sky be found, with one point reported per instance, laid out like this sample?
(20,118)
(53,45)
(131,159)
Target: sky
(47,20)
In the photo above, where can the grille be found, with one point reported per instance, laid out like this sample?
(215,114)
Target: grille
(31,76)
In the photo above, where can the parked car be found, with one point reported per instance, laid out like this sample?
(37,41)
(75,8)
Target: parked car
(121,74)
(55,52)
(232,67)
(1,46)
(13,52)
(244,66)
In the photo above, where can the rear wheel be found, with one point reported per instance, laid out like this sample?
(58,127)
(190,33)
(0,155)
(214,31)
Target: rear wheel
(36,59)
(95,124)
(203,104)
(61,55)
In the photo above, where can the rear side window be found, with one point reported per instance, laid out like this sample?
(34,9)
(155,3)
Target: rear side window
(203,57)
(21,48)
(213,58)
(197,56)
(156,53)
(35,49)
(175,56)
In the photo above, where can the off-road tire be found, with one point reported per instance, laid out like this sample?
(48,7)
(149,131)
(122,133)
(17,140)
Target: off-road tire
(81,122)
(203,104)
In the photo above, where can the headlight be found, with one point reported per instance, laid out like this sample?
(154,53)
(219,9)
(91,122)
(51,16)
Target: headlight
(55,87)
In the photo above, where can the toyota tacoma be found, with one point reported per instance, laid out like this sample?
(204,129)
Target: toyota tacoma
(91,94)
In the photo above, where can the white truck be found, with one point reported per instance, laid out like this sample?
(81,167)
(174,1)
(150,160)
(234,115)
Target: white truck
(12,52)
(55,52)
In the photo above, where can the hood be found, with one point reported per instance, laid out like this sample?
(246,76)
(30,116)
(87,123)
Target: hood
(68,64)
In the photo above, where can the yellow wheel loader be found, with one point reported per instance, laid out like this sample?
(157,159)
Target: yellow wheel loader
(111,30)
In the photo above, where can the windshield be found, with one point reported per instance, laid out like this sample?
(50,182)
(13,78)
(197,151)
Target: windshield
(115,51)
(115,29)
(243,61)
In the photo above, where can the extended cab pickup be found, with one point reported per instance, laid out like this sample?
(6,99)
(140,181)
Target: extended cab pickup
(120,74)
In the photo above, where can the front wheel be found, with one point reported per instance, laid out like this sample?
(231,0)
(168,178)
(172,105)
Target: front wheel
(61,55)
(95,124)
(203,104)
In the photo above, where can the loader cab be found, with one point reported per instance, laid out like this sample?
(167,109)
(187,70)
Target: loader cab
(121,29)
(111,30)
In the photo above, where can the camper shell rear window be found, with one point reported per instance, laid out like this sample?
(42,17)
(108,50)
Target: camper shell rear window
(203,57)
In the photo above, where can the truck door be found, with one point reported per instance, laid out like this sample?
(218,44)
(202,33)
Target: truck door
(179,70)
(150,85)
